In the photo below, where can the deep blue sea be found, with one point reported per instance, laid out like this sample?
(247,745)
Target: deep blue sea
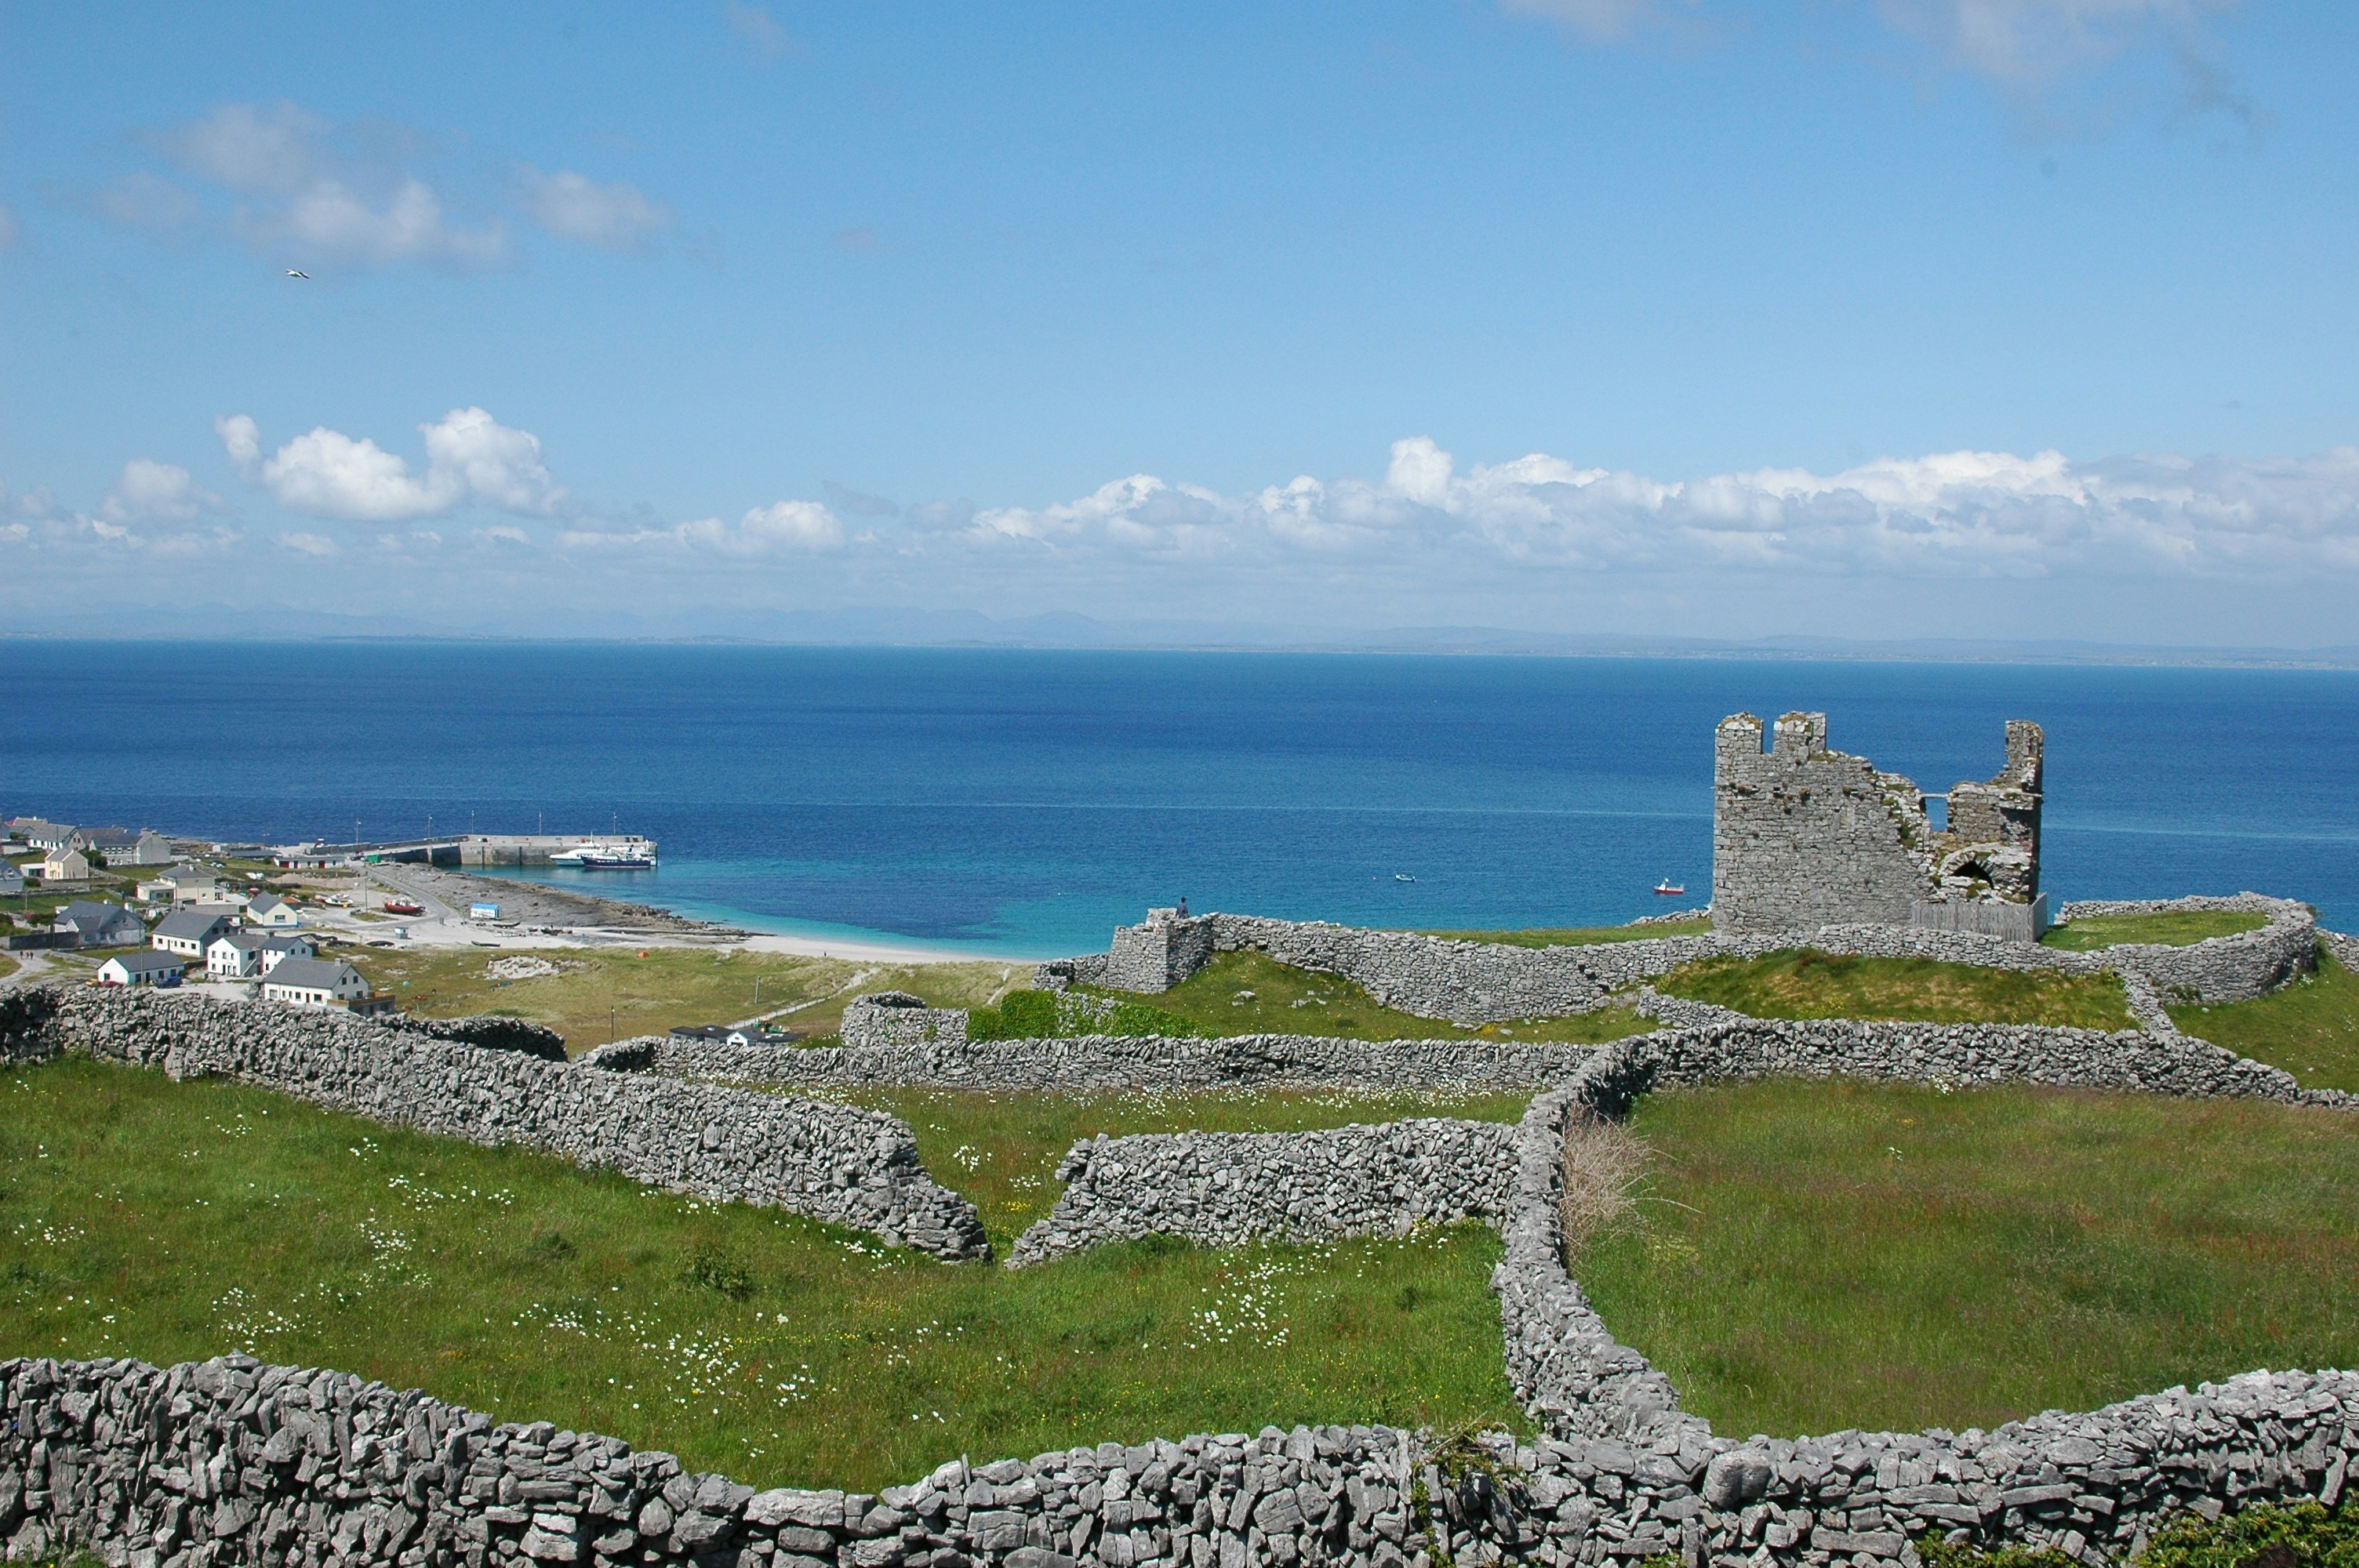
(1023,803)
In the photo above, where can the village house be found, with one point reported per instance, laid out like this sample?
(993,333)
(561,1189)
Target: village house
(189,931)
(322,982)
(248,955)
(270,911)
(12,877)
(65,866)
(184,884)
(95,924)
(122,847)
(148,968)
(41,833)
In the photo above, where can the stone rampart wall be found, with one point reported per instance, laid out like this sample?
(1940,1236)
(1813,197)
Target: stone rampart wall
(1112,1062)
(833,1163)
(1220,1189)
(1481,982)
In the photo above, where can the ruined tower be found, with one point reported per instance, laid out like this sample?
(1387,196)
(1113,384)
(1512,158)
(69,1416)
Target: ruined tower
(1804,837)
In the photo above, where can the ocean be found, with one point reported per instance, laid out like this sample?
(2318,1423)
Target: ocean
(1021,804)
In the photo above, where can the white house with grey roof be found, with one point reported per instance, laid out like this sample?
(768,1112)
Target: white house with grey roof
(145,969)
(12,876)
(95,924)
(271,913)
(189,931)
(315,982)
(248,955)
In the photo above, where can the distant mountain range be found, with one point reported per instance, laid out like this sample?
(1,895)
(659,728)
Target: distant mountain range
(908,627)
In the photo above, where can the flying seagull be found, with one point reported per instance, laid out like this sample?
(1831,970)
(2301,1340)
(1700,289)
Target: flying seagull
(292,273)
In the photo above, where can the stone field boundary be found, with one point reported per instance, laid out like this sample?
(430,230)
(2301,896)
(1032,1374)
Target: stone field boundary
(229,1462)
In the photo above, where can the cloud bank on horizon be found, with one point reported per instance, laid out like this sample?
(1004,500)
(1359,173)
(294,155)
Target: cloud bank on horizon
(1508,530)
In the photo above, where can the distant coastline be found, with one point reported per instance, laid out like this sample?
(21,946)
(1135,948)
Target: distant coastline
(951,631)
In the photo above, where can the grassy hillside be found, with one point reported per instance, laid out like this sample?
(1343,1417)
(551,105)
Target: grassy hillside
(669,985)
(1816,1256)
(1802,982)
(143,1217)
(2311,1028)
(2176,928)
(1251,993)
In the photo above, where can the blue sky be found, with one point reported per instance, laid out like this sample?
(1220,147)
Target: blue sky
(2013,317)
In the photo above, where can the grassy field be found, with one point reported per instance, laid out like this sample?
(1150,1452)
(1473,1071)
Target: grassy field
(2178,928)
(1001,1150)
(669,985)
(1251,993)
(1581,936)
(168,1221)
(1808,1257)
(2311,1028)
(1802,982)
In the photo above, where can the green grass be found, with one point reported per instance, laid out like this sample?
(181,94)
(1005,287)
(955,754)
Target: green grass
(1802,982)
(1581,936)
(1252,993)
(1813,1256)
(2178,929)
(1002,1150)
(172,1221)
(2311,1028)
(669,987)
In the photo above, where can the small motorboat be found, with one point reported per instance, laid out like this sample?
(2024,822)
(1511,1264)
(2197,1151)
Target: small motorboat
(1403,876)
(1671,889)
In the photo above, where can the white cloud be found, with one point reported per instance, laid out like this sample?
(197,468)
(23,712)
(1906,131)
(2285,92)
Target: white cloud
(252,147)
(1593,21)
(151,491)
(1951,515)
(573,207)
(785,527)
(2022,44)
(756,29)
(328,222)
(304,194)
(469,455)
(315,545)
(2025,41)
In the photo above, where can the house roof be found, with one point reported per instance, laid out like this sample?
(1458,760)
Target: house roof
(189,875)
(109,838)
(314,974)
(146,961)
(195,925)
(84,912)
(245,941)
(279,942)
(264,902)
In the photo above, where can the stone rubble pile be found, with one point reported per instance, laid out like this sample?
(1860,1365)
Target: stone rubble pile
(834,1163)
(1222,1189)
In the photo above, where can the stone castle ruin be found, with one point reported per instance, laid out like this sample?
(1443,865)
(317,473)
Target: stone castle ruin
(1805,837)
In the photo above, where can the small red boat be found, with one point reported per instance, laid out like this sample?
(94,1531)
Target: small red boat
(402,906)
(1670,889)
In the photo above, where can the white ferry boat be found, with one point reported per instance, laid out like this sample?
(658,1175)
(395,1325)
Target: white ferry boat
(636,856)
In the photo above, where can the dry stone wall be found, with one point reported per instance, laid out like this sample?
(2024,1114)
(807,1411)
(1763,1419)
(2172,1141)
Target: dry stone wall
(896,1019)
(833,1163)
(1482,983)
(1220,1189)
(1116,1062)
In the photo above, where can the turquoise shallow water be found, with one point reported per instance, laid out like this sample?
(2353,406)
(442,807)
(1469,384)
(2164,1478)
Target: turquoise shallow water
(1022,803)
